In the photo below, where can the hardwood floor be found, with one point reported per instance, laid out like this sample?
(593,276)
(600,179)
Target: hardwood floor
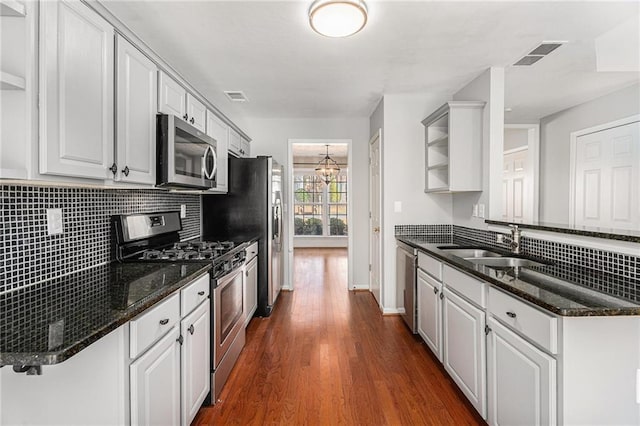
(327,356)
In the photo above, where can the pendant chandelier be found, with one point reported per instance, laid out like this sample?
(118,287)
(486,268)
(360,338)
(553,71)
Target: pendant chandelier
(327,169)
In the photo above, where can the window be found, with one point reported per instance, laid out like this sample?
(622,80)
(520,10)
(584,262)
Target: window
(319,209)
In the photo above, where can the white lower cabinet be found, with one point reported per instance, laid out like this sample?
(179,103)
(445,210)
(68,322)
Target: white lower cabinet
(430,312)
(464,347)
(155,383)
(521,380)
(196,360)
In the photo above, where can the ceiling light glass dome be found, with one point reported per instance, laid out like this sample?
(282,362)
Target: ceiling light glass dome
(338,18)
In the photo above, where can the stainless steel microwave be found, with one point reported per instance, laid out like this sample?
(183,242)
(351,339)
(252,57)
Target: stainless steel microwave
(186,156)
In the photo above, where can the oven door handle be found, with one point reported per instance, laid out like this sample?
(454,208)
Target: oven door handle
(209,174)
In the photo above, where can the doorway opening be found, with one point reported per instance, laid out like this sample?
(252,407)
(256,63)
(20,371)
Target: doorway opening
(320,202)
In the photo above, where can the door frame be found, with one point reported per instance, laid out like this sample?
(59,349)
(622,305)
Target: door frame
(289,209)
(377,135)
(533,145)
(573,137)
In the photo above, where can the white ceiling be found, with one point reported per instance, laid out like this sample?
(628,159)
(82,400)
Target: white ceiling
(267,50)
(320,150)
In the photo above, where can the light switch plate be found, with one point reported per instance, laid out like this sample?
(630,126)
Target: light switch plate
(397,206)
(183,211)
(54,222)
(481,210)
(474,213)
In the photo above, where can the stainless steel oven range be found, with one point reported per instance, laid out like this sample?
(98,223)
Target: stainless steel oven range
(153,237)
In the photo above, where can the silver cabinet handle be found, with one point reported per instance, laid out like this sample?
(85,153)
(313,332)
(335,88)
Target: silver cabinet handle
(192,120)
(191,329)
(511,314)
(126,170)
(164,321)
(201,293)
(435,290)
(441,295)
(186,117)
(114,169)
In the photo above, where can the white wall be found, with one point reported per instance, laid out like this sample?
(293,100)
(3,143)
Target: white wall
(555,130)
(271,137)
(515,138)
(488,87)
(403,178)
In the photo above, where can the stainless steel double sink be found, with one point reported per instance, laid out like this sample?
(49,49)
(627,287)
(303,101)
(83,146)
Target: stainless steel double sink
(489,258)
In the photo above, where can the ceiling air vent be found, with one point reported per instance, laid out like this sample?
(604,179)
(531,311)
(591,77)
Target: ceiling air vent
(236,96)
(539,52)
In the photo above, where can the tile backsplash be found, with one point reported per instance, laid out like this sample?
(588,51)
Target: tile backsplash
(29,255)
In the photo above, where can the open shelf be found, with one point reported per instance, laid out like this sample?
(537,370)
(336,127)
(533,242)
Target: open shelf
(11,82)
(442,140)
(11,8)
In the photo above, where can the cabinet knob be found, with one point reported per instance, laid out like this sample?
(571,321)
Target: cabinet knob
(435,290)
(511,314)
(114,169)
(441,295)
(186,117)
(191,329)
(192,120)
(126,170)
(201,293)
(164,321)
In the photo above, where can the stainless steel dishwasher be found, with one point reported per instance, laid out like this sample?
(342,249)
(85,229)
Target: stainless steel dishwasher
(406,258)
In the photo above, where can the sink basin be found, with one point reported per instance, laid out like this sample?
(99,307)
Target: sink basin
(504,262)
(470,253)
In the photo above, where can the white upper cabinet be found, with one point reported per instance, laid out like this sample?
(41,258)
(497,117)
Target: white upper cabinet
(219,130)
(197,113)
(453,148)
(245,148)
(76,91)
(136,101)
(171,97)
(235,142)
(174,99)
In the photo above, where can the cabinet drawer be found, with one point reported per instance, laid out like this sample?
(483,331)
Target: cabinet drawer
(153,324)
(193,294)
(527,320)
(430,265)
(469,287)
(252,251)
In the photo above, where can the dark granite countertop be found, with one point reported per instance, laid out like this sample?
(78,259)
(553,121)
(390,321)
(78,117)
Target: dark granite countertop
(49,322)
(559,288)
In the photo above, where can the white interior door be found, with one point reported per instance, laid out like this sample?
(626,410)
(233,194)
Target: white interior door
(516,187)
(607,178)
(374,211)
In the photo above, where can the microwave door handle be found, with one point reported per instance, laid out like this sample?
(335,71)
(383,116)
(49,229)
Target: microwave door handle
(205,172)
(215,163)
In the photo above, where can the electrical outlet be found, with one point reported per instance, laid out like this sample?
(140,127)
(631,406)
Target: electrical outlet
(481,210)
(474,212)
(54,222)
(183,211)
(397,206)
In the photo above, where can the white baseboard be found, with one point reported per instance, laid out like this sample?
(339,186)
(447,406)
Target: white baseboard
(392,311)
(359,287)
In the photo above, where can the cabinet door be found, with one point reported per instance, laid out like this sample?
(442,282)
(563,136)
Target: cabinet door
(196,362)
(76,90)
(155,383)
(171,96)
(245,148)
(430,312)
(250,289)
(219,130)
(235,142)
(136,100)
(522,380)
(464,348)
(197,113)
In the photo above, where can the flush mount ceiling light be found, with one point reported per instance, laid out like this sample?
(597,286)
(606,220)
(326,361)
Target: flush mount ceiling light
(327,168)
(338,18)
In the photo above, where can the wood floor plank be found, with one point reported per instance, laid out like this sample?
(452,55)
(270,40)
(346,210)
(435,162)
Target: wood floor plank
(327,356)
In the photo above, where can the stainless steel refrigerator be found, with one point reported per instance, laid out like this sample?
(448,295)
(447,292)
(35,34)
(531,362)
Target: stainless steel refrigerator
(252,208)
